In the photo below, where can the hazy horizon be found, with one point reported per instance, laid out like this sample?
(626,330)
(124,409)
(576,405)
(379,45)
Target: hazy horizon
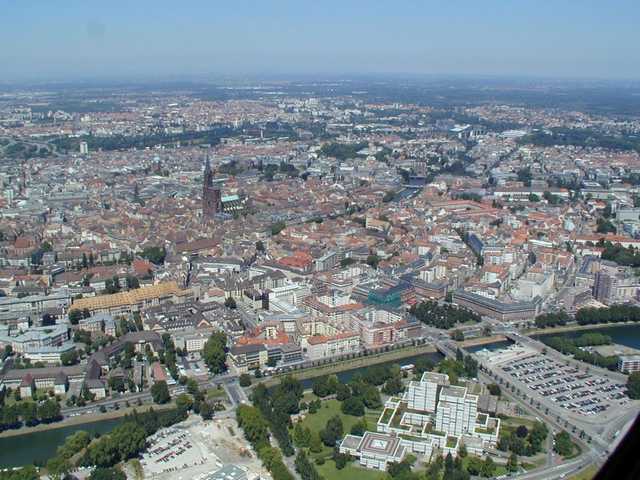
(79,40)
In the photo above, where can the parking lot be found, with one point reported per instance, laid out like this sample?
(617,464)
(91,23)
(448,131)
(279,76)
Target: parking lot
(576,390)
(171,450)
(195,448)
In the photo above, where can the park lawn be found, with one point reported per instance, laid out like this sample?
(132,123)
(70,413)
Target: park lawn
(576,451)
(587,474)
(216,394)
(317,421)
(500,469)
(534,464)
(328,471)
(372,416)
(309,396)
(511,423)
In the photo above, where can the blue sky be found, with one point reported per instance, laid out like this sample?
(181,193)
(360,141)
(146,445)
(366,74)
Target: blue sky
(116,39)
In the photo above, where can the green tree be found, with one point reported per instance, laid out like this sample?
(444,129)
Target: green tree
(155,255)
(332,432)
(75,316)
(373,260)
(563,444)
(359,427)
(70,357)
(245,380)
(215,352)
(206,411)
(353,406)
(184,401)
(633,386)
(160,392)
(107,474)
(315,444)
(301,436)
(488,468)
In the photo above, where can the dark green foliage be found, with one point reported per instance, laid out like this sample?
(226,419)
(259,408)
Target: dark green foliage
(628,257)
(605,226)
(528,445)
(332,432)
(563,444)
(342,392)
(155,255)
(277,406)
(245,380)
(393,386)
(160,392)
(442,316)
(277,227)
(373,261)
(402,470)
(552,319)
(494,389)
(324,386)
(424,364)
(389,196)
(345,262)
(572,347)
(107,474)
(359,427)
(75,316)
(121,142)
(524,175)
(215,352)
(580,137)
(353,406)
(305,468)
(70,357)
(256,431)
(342,151)
(612,314)
(633,386)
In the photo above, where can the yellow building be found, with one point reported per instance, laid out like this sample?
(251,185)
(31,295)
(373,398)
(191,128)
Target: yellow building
(132,300)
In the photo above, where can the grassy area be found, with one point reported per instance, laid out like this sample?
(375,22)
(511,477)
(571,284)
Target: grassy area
(500,469)
(514,422)
(533,465)
(318,420)
(216,394)
(328,471)
(587,474)
(576,451)
(309,396)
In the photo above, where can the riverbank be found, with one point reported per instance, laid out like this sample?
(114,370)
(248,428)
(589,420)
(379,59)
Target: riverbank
(576,328)
(81,420)
(354,363)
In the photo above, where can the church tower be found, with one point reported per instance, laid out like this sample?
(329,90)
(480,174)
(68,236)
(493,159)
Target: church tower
(211,194)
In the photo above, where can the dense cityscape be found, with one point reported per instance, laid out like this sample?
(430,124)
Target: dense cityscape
(328,279)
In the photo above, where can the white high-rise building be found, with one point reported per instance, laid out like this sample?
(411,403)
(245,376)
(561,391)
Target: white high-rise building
(423,395)
(457,411)
(84,148)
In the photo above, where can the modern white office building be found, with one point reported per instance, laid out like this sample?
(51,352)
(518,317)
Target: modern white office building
(432,416)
